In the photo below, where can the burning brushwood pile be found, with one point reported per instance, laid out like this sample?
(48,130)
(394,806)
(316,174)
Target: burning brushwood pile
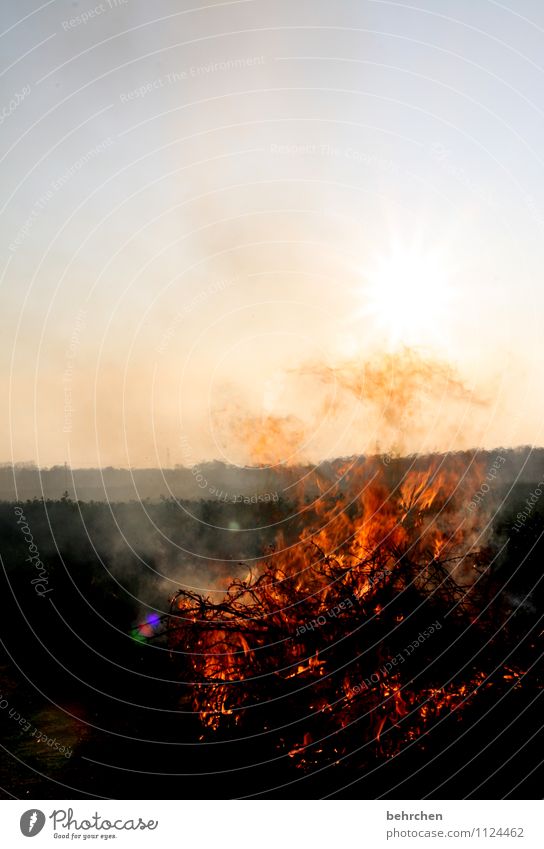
(379,622)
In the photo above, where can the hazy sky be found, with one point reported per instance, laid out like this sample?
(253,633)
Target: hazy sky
(201,201)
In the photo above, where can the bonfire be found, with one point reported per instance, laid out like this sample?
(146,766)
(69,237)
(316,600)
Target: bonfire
(339,644)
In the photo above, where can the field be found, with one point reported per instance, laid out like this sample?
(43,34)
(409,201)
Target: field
(373,669)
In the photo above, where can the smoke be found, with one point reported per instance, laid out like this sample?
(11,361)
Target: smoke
(394,381)
(269,440)
(401,402)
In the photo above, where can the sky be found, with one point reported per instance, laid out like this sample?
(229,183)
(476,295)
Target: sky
(214,212)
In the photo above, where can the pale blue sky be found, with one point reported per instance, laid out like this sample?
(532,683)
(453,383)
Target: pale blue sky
(169,170)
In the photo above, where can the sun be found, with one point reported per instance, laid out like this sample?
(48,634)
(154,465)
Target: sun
(406,294)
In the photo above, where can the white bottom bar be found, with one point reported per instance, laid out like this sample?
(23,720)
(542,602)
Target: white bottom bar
(206,824)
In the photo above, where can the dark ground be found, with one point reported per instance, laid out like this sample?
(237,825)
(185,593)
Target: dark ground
(70,667)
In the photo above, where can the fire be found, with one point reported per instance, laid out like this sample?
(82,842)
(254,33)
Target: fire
(334,629)
(339,636)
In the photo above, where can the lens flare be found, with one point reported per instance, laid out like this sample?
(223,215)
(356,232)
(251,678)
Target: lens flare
(407,294)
